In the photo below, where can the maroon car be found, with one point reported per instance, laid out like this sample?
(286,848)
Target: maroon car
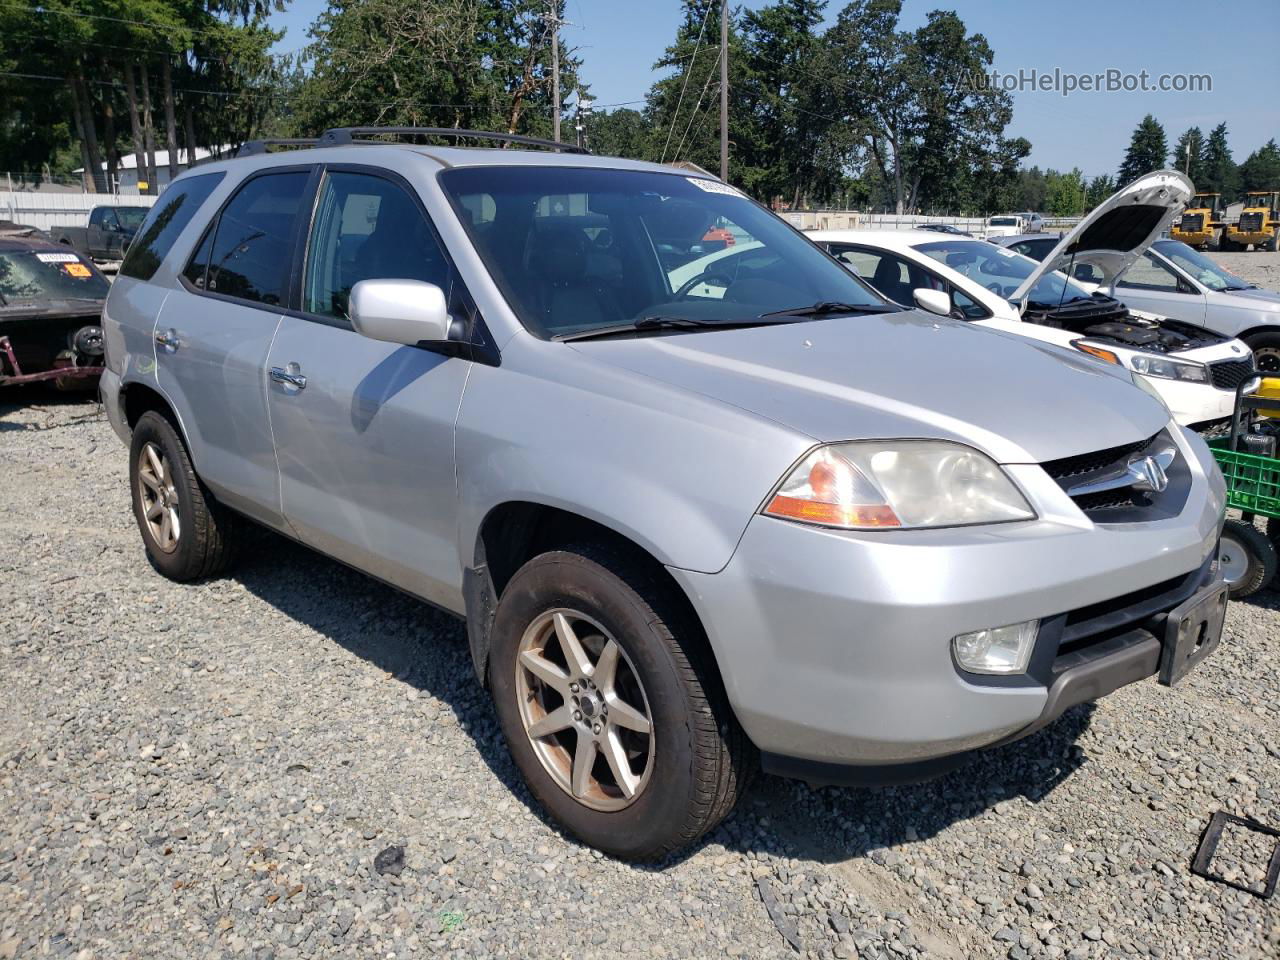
(50,309)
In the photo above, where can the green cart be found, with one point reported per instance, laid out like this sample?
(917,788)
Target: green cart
(1250,462)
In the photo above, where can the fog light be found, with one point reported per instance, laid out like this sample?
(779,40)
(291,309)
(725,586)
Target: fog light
(998,649)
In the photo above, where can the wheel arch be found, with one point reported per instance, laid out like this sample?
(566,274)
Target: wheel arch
(514,532)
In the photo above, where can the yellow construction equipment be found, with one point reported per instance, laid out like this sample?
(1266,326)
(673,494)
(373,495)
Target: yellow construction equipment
(1201,221)
(1259,223)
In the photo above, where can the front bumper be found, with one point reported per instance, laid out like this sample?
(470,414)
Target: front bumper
(835,647)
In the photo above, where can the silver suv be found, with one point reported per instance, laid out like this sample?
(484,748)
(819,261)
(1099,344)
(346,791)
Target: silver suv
(696,524)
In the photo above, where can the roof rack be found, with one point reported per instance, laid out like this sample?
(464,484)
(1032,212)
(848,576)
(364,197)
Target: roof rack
(253,148)
(339,136)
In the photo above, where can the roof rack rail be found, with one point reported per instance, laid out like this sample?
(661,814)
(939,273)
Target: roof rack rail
(253,148)
(339,136)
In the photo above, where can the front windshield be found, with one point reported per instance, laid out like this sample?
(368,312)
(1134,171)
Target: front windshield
(131,217)
(1002,271)
(1003,221)
(1204,270)
(48,275)
(577,249)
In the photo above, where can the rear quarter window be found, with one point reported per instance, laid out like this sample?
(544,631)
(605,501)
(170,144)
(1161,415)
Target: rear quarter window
(165,223)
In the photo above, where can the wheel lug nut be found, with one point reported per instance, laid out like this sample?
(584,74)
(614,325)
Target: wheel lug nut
(577,715)
(573,687)
(596,728)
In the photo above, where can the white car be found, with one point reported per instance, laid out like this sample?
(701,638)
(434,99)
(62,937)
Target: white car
(1011,224)
(1194,370)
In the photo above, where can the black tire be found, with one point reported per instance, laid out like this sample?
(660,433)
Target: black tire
(1273,244)
(1249,551)
(1273,531)
(1266,351)
(208,534)
(701,759)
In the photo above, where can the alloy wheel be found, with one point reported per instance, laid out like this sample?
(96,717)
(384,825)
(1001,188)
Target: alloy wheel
(159,498)
(584,710)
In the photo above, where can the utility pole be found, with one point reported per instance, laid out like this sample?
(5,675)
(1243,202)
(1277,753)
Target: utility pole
(553,19)
(724,90)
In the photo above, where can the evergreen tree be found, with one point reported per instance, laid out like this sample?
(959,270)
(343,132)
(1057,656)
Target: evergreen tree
(1147,151)
(1187,155)
(1261,171)
(1220,173)
(1100,187)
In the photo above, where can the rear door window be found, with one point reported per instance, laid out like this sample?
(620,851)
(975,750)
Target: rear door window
(249,256)
(166,221)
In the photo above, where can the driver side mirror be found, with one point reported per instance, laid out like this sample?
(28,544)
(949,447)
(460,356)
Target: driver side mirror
(934,301)
(408,312)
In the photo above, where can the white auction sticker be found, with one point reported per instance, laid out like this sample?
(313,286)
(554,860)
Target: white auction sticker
(57,258)
(714,186)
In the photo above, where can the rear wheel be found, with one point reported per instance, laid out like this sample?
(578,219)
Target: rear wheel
(610,704)
(1248,558)
(186,533)
(1266,350)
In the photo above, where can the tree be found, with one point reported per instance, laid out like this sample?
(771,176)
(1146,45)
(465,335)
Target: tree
(1147,151)
(1066,193)
(622,133)
(1100,187)
(1187,155)
(1261,171)
(913,100)
(1220,173)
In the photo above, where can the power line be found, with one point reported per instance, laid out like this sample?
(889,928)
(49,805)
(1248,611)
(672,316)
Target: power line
(688,70)
(697,106)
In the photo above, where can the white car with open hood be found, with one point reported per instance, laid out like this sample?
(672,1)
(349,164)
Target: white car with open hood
(1194,370)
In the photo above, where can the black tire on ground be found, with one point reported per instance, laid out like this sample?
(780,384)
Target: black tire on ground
(1274,243)
(701,760)
(1248,558)
(208,535)
(1266,350)
(1273,531)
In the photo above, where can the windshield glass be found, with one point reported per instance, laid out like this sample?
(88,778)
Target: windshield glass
(1001,270)
(131,217)
(576,249)
(1003,221)
(1199,266)
(48,275)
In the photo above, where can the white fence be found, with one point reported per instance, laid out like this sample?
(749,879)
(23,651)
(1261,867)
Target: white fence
(47,210)
(852,220)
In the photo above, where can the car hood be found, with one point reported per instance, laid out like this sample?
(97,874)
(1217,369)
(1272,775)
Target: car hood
(903,375)
(1119,230)
(1251,297)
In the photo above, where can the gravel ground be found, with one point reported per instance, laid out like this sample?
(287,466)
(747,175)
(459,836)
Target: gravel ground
(214,769)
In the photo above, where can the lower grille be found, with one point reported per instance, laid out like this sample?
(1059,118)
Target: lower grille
(1229,374)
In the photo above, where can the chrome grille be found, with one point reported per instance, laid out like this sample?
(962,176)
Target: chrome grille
(1120,484)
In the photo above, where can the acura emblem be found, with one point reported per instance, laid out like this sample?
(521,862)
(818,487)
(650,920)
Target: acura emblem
(1148,474)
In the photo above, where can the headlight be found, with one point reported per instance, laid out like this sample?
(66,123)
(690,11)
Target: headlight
(1166,369)
(867,485)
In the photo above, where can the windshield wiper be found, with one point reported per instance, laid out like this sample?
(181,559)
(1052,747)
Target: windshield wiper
(668,323)
(824,307)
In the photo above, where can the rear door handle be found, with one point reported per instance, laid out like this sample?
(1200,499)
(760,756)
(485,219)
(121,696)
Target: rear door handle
(168,338)
(281,375)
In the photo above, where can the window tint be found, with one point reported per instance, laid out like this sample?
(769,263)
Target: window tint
(1148,274)
(199,265)
(166,221)
(367,228)
(253,239)
(890,274)
(97,217)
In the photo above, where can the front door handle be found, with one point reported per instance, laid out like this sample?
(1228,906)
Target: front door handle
(281,375)
(168,338)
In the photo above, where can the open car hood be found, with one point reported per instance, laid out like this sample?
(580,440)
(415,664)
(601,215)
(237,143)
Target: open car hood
(1119,230)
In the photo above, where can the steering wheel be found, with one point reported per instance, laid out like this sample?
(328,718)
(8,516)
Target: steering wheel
(996,288)
(706,275)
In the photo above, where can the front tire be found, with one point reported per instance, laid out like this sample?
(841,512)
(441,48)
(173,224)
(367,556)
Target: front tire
(1266,352)
(186,533)
(611,706)
(1248,559)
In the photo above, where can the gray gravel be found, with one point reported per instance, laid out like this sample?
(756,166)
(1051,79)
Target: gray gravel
(214,770)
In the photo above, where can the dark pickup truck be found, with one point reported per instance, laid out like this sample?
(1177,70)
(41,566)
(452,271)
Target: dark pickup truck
(108,235)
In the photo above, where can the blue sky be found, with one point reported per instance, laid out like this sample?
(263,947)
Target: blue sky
(619,40)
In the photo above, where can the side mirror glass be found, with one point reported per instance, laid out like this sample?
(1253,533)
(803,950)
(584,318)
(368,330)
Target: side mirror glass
(935,301)
(399,311)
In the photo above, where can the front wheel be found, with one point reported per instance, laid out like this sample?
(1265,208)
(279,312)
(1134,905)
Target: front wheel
(1266,352)
(1248,559)
(611,706)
